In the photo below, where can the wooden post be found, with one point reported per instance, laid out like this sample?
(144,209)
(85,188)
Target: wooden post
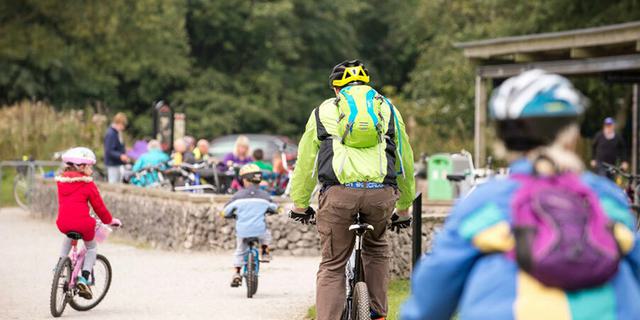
(479,145)
(634,132)
(416,248)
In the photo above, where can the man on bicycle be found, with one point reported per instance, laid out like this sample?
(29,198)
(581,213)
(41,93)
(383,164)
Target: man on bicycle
(356,146)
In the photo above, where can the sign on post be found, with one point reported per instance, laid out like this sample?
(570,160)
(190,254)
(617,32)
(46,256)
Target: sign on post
(163,125)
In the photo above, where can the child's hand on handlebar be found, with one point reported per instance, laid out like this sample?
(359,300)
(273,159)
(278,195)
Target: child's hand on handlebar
(115,222)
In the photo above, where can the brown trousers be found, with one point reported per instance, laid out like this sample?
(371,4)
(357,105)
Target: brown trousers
(339,206)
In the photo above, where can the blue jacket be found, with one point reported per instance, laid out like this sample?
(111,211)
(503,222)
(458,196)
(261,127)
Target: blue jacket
(149,159)
(250,206)
(460,275)
(113,149)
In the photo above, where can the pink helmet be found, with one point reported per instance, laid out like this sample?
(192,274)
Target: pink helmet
(78,156)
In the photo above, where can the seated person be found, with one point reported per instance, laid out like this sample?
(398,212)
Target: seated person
(201,152)
(240,155)
(153,157)
(249,207)
(258,156)
(181,154)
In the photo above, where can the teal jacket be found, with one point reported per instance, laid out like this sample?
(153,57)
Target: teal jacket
(149,159)
(467,272)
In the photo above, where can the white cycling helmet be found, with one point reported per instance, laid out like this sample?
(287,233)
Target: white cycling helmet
(530,109)
(78,156)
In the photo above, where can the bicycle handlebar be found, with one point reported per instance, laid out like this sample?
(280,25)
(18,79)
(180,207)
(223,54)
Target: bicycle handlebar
(617,170)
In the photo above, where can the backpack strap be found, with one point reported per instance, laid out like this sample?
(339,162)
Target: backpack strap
(397,133)
(352,114)
(371,95)
(321,131)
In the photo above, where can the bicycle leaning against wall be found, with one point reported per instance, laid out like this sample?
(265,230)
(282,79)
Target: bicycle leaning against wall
(631,188)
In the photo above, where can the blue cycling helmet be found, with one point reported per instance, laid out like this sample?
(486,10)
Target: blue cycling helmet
(530,109)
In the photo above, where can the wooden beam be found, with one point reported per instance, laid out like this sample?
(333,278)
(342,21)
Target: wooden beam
(480,123)
(581,53)
(525,57)
(635,104)
(566,67)
(603,36)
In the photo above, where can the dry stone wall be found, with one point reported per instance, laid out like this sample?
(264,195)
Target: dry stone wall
(181,221)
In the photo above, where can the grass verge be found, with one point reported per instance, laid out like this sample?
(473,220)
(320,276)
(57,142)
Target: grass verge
(397,294)
(6,188)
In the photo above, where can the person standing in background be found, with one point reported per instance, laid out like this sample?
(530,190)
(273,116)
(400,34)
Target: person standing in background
(608,147)
(114,151)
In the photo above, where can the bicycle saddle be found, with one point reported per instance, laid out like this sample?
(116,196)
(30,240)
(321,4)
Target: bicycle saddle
(74,235)
(252,239)
(360,226)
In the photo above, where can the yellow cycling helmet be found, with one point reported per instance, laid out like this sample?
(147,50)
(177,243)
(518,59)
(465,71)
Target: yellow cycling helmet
(348,72)
(251,172)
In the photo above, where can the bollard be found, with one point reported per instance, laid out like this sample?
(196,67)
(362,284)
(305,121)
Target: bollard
(416,248)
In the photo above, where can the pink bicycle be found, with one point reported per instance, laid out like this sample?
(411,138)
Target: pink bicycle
(63,288)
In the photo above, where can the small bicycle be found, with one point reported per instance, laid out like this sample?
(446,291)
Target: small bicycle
(251,268)
(63,288)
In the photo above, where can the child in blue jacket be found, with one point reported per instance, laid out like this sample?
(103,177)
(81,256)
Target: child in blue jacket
(249,206)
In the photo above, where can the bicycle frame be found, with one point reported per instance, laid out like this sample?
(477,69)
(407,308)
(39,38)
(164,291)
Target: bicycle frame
(77,259)
(77,256)
(253,250)
(354,270)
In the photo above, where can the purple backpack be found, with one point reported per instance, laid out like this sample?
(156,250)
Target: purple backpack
(563,237)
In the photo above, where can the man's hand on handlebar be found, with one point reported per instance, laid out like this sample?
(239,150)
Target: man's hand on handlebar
(305,217)
(400,220)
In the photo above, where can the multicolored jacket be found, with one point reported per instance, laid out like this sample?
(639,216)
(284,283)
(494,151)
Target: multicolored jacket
(467,272)
(323,158)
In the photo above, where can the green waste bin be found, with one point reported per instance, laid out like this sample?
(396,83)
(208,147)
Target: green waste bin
(439,188)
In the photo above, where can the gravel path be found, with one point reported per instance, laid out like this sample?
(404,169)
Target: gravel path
(147,284)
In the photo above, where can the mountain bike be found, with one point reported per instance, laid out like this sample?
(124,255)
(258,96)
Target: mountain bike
(357,305)
(632,188)
(63,288)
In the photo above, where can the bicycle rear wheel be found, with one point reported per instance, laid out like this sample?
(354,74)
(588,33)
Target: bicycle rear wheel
(60,287)
(361,309)
(100,283)
(21,191)
(251,277)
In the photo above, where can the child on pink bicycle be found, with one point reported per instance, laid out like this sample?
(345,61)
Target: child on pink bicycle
(75,191)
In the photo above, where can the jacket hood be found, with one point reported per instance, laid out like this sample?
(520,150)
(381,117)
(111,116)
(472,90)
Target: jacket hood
(69,182)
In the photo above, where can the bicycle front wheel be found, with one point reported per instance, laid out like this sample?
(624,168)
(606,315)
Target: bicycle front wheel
(100,280)
(251,277)
(60,287)
(21,191)
(361,309)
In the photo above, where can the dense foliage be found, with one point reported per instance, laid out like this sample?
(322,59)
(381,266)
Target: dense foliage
(261,66)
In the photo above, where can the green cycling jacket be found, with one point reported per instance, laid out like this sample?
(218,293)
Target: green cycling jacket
(322,157)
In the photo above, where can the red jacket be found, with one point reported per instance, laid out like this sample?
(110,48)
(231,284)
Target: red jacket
(75,192)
